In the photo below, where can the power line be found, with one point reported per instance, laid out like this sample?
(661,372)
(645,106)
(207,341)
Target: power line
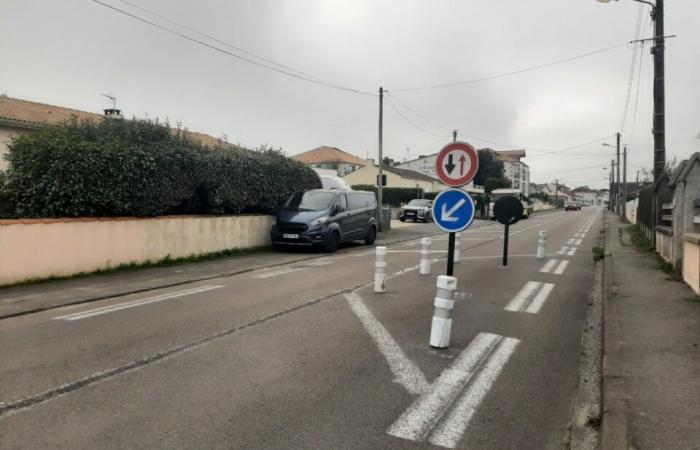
(549,152)
(579,169)
(243,58)
(242,50)
(515,72)
(636,97)
(633,66)
(390,103)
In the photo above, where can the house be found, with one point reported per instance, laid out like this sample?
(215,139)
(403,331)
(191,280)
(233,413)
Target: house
(585,195)
(331,158)
(558,191)
(18,116)
(395,178)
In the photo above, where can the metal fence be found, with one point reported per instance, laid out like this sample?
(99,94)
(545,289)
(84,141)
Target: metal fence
(646,212)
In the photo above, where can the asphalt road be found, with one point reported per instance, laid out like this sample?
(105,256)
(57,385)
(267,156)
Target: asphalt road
(306,355)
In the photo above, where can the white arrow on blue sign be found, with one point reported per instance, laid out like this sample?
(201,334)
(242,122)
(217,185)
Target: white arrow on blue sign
(453,210)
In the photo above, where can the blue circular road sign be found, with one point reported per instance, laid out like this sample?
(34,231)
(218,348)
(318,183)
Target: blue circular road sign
(453,210)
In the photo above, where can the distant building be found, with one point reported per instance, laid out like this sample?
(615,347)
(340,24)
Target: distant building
(395,177)
(331,158)
(19,116)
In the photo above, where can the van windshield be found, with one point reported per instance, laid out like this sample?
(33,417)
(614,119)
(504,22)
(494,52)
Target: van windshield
(309,201)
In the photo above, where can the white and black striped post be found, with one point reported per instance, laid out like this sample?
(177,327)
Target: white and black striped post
(541,243)
(458,245)
(442,317)
(380,270)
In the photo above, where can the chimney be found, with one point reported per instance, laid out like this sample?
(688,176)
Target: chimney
(113,113)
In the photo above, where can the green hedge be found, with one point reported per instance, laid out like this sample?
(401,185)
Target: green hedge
(141,168)
(392,196)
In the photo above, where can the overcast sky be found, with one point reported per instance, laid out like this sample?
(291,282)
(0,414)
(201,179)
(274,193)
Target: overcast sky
(68,52)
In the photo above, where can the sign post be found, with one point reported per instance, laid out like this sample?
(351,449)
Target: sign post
(453,209)
(507,211)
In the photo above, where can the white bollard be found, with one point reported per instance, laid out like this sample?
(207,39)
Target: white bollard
(541,242)
(458,245)
(442,317)
(425,256)
(380,270)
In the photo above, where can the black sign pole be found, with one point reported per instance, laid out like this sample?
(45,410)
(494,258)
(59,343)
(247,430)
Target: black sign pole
(451,255)
(505,246)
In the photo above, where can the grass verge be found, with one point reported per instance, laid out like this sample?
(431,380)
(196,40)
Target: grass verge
(167,261)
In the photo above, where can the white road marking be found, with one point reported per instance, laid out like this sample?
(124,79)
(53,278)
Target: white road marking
(405,372)
(578,241)
(571,241)
(523,296)
(530,298)
(279,272)
(541,297)
(561,268)
(572,251)
(562,250)
(450,431)
(320,262)
(549,265)
(425,412)
(131,304)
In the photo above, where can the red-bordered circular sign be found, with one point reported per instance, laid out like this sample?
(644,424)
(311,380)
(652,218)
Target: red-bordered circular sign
(457,164)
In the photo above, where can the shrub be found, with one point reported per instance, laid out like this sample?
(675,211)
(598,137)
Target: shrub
(142,168)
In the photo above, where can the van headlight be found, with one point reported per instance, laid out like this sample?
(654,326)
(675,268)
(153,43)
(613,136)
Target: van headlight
(318,222)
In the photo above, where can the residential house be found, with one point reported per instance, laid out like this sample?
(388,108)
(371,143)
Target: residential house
(395,177)
(331,158)
(18,116)
(558,191)
(585,195)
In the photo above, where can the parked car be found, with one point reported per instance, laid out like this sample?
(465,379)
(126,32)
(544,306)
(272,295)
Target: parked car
(325,218)
(417,209)
(573,206)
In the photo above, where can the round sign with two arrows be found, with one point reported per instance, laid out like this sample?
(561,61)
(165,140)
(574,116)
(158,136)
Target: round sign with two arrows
(457,164)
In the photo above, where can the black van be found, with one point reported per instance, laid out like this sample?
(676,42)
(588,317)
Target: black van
(325,218)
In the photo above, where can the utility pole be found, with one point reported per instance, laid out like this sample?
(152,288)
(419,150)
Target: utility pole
(611,205)
(380,163)
(556,194)
(657,14)
(624,182)
(454,136)
(618,208)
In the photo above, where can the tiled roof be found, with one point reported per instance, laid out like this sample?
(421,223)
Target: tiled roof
(34,114)
(328,155)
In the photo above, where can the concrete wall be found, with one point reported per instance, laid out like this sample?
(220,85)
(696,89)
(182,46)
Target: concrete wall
(691,261)
(664,245)
(41,248)
(632,210)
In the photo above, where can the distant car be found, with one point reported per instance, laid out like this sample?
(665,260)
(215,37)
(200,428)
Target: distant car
(417,209)
(573,206)
(325,218)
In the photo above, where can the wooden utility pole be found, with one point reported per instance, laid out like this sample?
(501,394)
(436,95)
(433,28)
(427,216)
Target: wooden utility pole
(624,182)
(618,207)
(454,136)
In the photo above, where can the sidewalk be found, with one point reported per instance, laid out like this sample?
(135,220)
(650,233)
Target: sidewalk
(23,299)
(651,362)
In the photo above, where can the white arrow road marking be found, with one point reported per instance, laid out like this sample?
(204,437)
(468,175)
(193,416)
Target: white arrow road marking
(144,301)
(447,214)
(450,431)
(405,372)
(549,265)
(477,366)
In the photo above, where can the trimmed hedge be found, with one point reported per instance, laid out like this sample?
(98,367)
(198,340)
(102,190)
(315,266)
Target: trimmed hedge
(141,168)
(392,196)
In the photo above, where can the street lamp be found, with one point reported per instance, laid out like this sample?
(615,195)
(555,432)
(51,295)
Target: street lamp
(659,130)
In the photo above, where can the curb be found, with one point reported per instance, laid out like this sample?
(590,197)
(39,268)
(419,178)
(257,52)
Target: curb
(614,429)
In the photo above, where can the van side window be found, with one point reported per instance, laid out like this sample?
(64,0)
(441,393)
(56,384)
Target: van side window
(356,201)
(370,200)
(342,203)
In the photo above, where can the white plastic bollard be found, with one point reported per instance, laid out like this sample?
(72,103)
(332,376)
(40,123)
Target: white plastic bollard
(442,317)
(380,270)
(425,256)
(458,245)
(541,242)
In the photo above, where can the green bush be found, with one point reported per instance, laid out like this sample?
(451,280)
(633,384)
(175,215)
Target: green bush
(392,196)
(141,168)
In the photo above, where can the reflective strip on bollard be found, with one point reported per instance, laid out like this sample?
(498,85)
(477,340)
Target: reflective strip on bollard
(425,256)
(380,270)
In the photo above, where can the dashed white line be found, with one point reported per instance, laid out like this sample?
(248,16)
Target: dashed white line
(530,298)
(563,250)
(571,251)
(541,297)
(549,265)
(571,241)
(131,304)
(279,272)
(578,241)
(561,267)
(406,373)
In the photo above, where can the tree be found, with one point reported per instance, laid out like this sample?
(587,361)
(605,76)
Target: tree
(497,183)
(489,167)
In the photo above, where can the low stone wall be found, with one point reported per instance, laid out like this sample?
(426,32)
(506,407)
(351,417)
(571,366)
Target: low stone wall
(664,243)
(631,210)
(42,248)
(691,261)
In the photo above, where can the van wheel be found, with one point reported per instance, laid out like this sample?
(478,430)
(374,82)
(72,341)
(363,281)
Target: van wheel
(333,242)
(371,235)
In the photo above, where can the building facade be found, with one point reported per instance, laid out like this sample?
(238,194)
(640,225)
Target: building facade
(331,158)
